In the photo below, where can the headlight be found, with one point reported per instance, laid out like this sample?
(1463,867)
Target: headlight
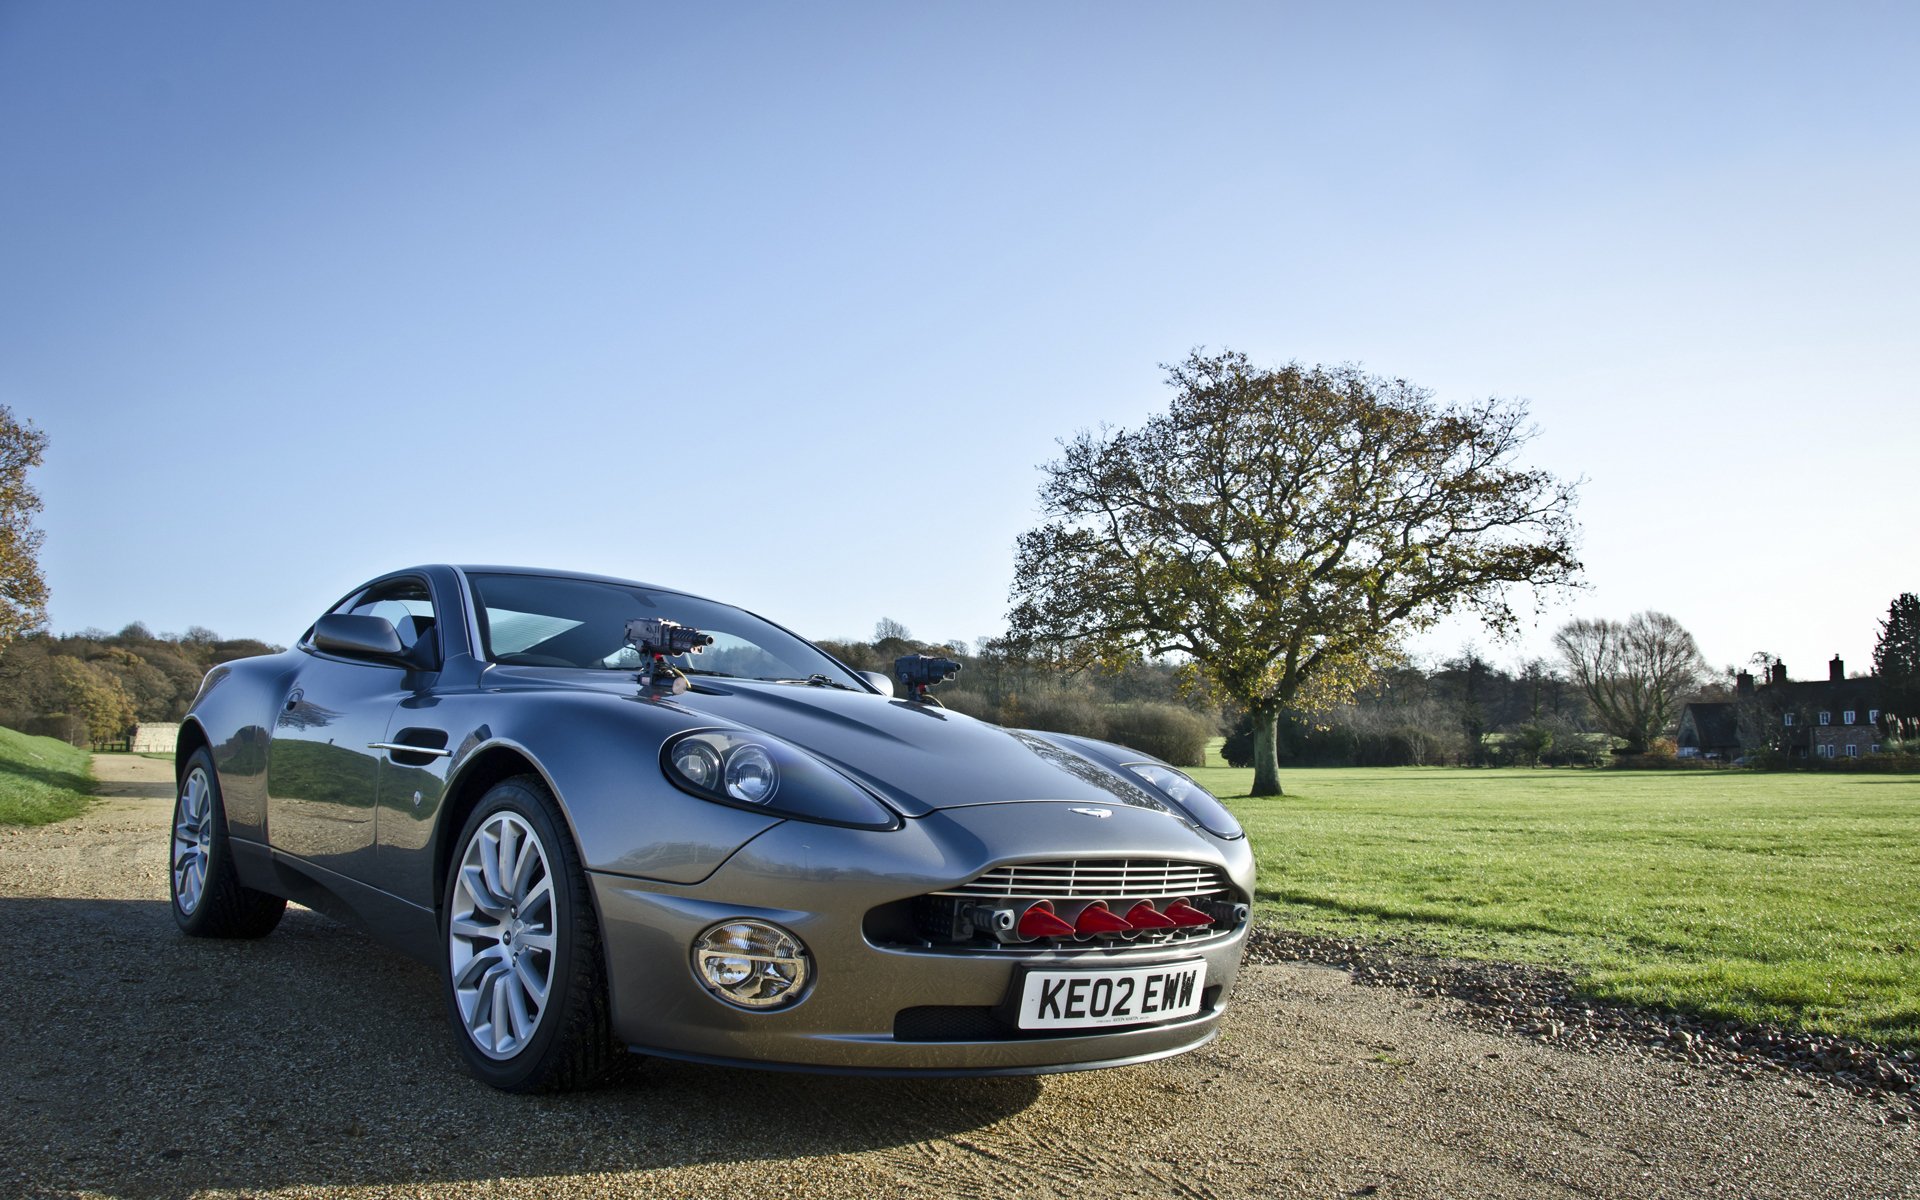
(752,964)
(750,774)
(699,763)
(1198,802)
(749,770)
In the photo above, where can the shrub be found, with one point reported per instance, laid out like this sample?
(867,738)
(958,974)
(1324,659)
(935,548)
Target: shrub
(1661,756)
(69,729)
(1055,712)
(974,704)
(1578,750)
(1166,731)
(1344,744)
(1237,750)
(1530,743)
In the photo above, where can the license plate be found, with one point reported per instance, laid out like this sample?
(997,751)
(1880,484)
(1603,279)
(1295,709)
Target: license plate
(1123,996)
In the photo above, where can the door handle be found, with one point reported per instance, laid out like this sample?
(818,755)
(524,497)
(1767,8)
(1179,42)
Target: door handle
(403,748)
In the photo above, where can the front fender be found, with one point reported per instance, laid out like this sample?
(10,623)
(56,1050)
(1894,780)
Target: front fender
(600,755)
(234,710)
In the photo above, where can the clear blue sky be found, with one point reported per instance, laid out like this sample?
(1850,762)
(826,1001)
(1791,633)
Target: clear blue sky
(784,303)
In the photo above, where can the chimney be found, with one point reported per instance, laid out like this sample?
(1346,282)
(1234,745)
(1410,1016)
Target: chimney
(1743,683)
(1836,670)
(1779,673)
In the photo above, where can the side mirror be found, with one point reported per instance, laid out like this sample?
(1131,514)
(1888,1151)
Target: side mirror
(882,683)
(358,637)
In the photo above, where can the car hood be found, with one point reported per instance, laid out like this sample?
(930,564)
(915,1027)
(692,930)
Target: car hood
(920,757)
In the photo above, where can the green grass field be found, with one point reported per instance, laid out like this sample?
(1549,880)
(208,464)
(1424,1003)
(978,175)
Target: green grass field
(41,779)
(1792,898)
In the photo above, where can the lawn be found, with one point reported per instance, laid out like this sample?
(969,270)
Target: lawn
(41,779)
(1790,898)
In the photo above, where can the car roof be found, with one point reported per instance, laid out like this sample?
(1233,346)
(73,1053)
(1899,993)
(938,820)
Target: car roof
(590,577)
(491,569)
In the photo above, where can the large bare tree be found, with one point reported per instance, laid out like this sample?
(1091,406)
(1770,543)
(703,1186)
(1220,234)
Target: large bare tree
(1284,529)
(1636,674)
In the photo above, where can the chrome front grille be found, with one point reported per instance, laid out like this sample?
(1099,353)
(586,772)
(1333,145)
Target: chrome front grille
(1109,879)
(985,915)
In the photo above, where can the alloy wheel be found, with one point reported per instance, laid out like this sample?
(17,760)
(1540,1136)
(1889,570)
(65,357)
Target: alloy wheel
(501,935)
(192,840)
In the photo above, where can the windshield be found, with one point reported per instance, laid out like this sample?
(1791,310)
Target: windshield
(542,621)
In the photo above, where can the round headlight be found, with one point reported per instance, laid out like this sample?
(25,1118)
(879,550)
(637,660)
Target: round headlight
(750,770)
(1177,786)
(699,762)
(750,774)
(1196,801)
(752,964)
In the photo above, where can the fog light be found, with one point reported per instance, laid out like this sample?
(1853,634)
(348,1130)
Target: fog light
(752,964)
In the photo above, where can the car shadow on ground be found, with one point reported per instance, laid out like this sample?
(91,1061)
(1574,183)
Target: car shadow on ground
(157,1065)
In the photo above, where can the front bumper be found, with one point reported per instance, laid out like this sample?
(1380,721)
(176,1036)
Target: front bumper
(820,882)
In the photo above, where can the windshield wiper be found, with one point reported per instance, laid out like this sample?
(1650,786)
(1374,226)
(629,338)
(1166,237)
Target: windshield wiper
(815,680)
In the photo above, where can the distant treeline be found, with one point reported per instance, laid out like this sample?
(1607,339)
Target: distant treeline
(96,686)
(1465,711)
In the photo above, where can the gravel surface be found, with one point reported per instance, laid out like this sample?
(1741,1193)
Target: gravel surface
(313,1063)
(1543,1004)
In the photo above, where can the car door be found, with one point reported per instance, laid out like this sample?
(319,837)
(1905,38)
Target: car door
(324,766)
(413,781)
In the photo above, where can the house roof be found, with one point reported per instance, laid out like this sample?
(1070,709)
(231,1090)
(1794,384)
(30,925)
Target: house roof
(1715,724)
(1863,692)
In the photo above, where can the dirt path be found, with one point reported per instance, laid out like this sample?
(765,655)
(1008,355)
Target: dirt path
(133,776)
(141,1063)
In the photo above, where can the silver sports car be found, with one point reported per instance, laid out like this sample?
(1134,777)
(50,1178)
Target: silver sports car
(619,818)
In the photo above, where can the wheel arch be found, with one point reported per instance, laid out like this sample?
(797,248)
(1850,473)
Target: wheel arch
(472,780)
(192,737)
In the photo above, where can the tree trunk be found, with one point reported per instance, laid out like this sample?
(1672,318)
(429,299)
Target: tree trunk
(1639,738)
(1266,753)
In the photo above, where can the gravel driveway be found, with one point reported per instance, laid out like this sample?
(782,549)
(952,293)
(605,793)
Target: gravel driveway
(137,1062)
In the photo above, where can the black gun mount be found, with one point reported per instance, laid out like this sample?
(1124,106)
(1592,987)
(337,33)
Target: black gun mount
(918,672)
(658,639)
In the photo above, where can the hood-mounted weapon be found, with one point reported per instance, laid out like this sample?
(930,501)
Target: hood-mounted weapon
(918,672)
(658,639)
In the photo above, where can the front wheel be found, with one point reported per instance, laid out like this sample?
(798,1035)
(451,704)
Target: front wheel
(525,981)
(208,899)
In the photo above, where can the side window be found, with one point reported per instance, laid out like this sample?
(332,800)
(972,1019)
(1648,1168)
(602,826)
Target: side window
(405,602)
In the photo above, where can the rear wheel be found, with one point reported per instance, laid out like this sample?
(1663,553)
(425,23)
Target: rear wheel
(208,899)
(525,979)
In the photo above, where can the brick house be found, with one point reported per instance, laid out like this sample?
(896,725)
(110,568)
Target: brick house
(1833,718)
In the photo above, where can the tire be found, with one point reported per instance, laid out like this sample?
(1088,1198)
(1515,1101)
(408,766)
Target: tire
(525,976)
(207,897)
